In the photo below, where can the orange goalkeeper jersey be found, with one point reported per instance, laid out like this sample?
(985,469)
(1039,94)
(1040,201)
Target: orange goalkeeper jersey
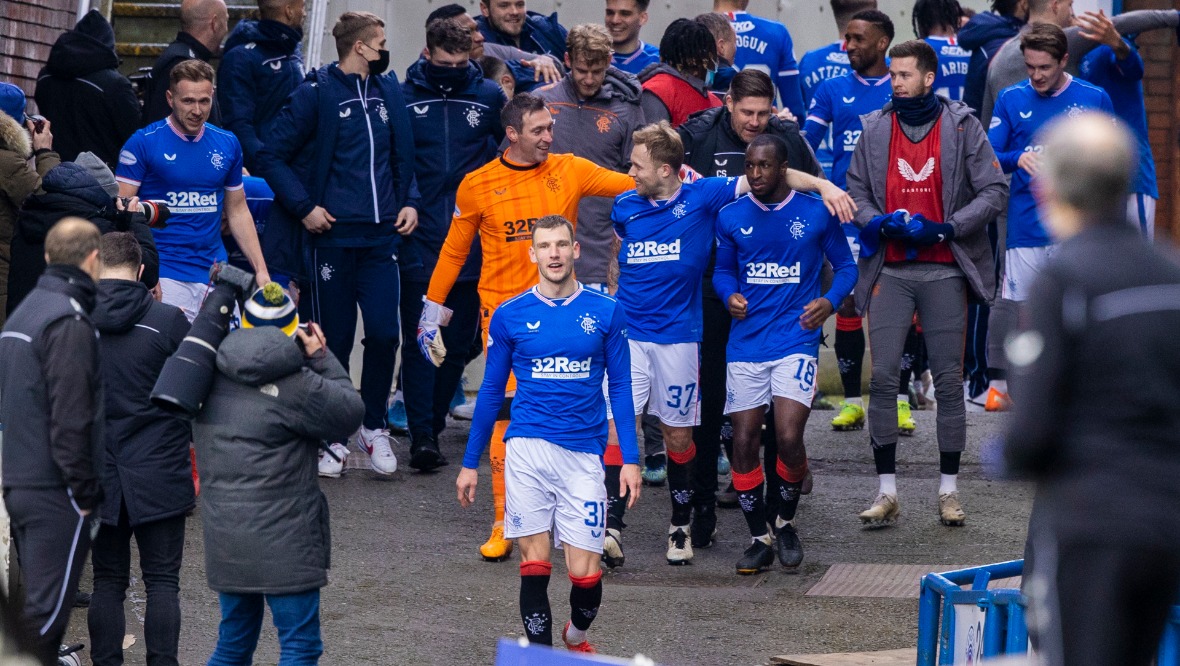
(502,201)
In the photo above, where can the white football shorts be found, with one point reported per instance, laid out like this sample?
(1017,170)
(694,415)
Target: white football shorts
(664,378)
(1022,265)
(751,385)
(551,488)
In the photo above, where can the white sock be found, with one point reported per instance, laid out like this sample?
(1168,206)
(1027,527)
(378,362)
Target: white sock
(888,484)
(947,483)
(1000,385)
(855,401)
(765,538)
(574,635)
(779,522)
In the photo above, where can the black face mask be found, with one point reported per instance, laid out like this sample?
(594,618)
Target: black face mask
(378,66)
(446,78)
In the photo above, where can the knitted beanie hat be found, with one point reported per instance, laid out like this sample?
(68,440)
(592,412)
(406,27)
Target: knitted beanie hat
(271,306)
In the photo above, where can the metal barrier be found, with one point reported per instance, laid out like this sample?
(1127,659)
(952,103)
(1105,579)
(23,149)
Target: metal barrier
(957,626)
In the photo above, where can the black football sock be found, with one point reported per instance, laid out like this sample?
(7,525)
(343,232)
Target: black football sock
(534,601)
(680,484)
(850,356)
(585,598)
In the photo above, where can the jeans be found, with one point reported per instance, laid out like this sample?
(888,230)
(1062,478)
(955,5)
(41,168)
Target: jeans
(161,546)
(426,390)
(296,617)
(342,279)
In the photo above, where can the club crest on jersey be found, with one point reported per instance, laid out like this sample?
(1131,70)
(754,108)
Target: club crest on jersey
(326,274)
(588,324)
(603,123)
(473,117)
(919,176)
(796,228)
(383,114)
(553,184)
(680,210)
(217,160)
(1075,110)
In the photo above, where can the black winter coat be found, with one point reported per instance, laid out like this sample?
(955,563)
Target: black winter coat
(147,467)
(91,105)
(67,189)
(155,103)
(257,439)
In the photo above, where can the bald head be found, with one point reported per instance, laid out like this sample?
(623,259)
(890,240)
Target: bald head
(206,20)
(1089,162)
(73,241)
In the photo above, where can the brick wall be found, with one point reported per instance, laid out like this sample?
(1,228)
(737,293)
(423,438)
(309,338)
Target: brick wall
(1161,90)
(28,29)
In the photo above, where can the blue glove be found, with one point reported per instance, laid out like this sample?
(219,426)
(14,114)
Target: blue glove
(892,225)
(923,232)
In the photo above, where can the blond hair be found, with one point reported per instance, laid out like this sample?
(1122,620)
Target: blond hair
(591,42)
(662,143)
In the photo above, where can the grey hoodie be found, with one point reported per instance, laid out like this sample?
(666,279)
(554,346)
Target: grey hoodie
(974,192)
(598,129)
(257,440)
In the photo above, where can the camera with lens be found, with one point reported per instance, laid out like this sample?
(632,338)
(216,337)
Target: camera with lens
(187,376)
(154,214)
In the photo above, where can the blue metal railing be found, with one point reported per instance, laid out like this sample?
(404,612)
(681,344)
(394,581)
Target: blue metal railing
(1003,629)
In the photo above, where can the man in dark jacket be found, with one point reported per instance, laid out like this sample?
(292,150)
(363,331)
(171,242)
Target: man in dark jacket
(147,482)
(203,24)
(51,405)
(70,189)
(715,144)
(456,123)
(1106,479)
(93,107)
(263,63)
(508,23)
(983,35)
(340,159)
(257,438)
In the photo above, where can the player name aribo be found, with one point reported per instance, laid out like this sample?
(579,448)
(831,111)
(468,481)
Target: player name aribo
(646,252)
(560,367)
(769,272)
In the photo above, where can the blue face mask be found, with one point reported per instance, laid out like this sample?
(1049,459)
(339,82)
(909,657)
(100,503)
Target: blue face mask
(710,74)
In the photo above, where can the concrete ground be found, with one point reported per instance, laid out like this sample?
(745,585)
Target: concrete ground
(408,587)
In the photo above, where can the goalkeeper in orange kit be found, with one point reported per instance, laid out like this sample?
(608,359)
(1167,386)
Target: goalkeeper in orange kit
(501,201)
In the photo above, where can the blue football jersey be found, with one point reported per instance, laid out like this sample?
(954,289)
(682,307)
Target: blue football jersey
(952,67)
(838,105)
(559,350)
(665,249)
(191,176)
(1123,82)
(773,256)
(633,63)
(826,62)
(1020,112)
(766,45)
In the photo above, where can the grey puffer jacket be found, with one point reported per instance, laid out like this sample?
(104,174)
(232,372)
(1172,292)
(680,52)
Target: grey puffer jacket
(974,192)
(598,129)
(257,441)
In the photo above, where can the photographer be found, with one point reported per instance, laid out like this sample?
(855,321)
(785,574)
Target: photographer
(273,400)
(85,189)
(17,178)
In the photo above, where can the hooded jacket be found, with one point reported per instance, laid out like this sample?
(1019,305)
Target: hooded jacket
(68,189)
(263,63)
(974,192)
(539,34)
(672,96)
(80,90)
(983,36)
(342,143)
(455,132)
(155,104)
(258,440)
(598,129)
(712,148)
(147,466)
(17,181)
